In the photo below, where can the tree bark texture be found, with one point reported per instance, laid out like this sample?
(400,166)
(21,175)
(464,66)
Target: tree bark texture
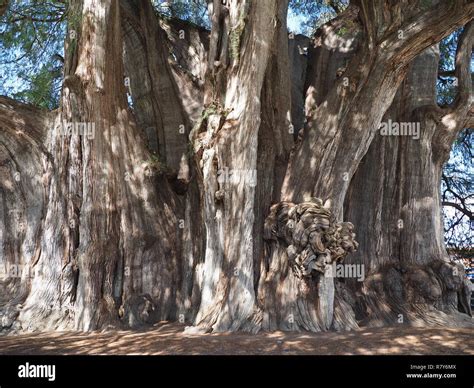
(245,165)
(410,276)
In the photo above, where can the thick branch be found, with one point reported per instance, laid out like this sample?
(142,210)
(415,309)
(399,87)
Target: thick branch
(464,99)
(447,73)
(169,100)
(426,28)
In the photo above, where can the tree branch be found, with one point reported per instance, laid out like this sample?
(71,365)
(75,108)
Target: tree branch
(458,115)
(447,73)
(424,29)
(38,20)
(458,207)
(464,98)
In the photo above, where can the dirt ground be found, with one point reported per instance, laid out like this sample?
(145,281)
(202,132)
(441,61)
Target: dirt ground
(169,339)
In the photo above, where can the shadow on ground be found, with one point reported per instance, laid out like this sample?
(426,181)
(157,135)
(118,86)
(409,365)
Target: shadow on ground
(166,339)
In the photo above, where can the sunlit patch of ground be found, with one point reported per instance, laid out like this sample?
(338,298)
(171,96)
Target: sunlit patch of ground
(166,338)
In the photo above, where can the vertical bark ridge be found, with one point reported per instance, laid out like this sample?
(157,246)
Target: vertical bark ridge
(110,234)
(228,141)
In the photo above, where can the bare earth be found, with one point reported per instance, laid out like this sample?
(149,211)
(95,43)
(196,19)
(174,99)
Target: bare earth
(165,339)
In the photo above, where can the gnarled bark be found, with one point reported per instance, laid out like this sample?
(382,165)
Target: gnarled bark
(128,223)
(355,68)
(344,121)
(395,198)
(24,163)
(108,253)
(165,62)
(304,242)
(228,141)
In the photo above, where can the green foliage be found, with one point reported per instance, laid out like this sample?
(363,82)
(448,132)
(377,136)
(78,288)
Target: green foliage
(314,13)
(342,31)
(74,21)
(31,40)
(43,90)
(209,111)
(194,11)
(214,108)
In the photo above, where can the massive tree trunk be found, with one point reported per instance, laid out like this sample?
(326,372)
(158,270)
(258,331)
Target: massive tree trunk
(352,79)
(165,64)
(212,199)
(227,144)
(394,200)
(107,252)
